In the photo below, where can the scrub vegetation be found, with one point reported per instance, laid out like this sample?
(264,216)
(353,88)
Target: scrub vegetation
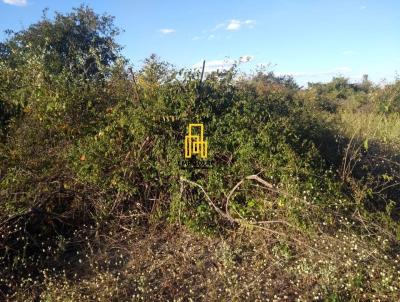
(300,200)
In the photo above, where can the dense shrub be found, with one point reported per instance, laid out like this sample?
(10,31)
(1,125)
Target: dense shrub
(86,142)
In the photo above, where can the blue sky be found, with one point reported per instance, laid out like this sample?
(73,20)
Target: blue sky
(312,40)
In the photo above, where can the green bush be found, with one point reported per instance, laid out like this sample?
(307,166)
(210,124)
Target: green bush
(86,142)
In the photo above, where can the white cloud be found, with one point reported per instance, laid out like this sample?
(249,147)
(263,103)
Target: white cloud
(215,65)
(222,65)
(167,31)
(362,7)
(237,24)
(16,2)
(250,23)
(218,26)
(234,24)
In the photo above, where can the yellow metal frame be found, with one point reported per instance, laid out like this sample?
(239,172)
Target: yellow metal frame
(195,144)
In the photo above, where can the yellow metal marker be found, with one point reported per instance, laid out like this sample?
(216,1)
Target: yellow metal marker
(195,143)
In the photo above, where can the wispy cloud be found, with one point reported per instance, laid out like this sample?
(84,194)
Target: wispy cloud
(16,2)
(167,31)
(230,26)
(222,65)
(215,65)
(218,26)
(237,24)
(234,24)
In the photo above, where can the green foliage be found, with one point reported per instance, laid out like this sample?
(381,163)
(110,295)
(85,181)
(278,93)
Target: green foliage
(81,42)
(86,141)
(389,98)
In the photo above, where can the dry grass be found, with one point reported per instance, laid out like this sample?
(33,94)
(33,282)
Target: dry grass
(372,125)
(166,263)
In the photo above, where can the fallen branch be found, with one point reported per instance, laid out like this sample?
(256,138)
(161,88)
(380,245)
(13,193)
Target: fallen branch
(250,177)
(242,221)
(211,203)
